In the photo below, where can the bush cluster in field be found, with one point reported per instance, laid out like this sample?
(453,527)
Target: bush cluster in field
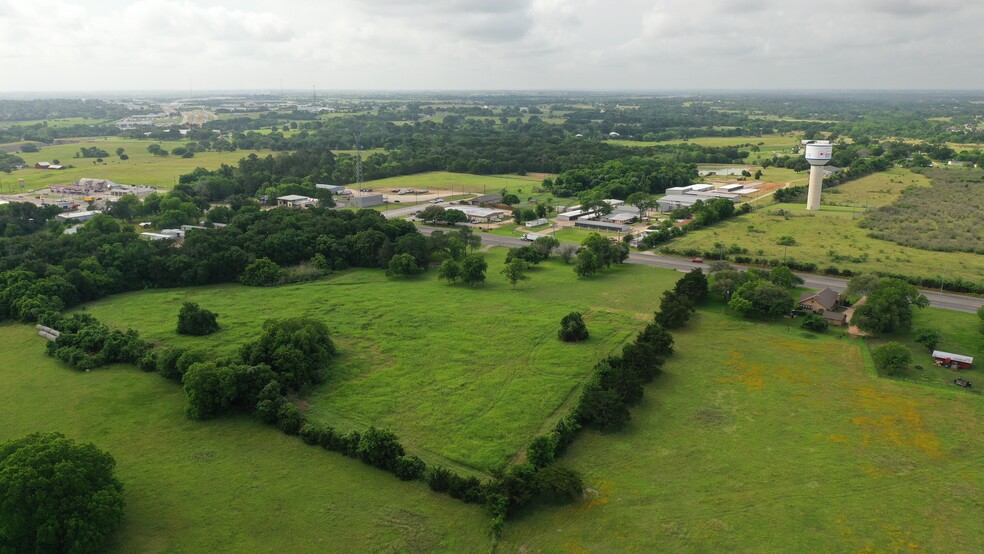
(944,217)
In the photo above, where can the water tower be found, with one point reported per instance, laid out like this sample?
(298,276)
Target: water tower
(818,154)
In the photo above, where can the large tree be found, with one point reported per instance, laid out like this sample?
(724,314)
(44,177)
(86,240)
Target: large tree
(889,307)
(693,285)
(56,495)
(473,269)
(515,271)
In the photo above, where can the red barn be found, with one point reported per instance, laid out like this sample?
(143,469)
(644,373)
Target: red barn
(948,359)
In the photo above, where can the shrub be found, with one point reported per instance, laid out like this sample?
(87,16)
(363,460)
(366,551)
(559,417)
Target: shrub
(439,479)
(269,401)
(289,418)
(210,390)
(167,363)
(310,434)
(928,338)
(814,322)
(892,357)
(380,448)
(602,407)
(409,468)
(402,265)
(149,361)
(348,444)
(296,349)
(261,273)
(572,328)
(542,450)
(559,484)
(196,321)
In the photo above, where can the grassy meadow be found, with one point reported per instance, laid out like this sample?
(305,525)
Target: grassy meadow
(763,439)
(142,168)
(959,335)
(466,377)
(831,236)
(768,144)
(521,185)
(230,485)
(758,437)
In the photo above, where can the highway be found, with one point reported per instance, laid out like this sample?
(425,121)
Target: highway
(937,299)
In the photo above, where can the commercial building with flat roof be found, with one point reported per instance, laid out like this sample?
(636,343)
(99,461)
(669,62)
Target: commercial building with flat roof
(601,226)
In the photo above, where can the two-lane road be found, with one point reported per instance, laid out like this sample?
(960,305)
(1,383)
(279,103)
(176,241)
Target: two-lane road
(937,299)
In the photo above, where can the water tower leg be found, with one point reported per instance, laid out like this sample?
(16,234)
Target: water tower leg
(816,183)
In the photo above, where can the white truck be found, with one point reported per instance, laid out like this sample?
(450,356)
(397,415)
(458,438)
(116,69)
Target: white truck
(530,237)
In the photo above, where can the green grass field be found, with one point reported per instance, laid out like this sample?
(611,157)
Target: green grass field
(521,185)
(833,231)
(142,168)
(59,122)
(759,439)
(767,141)
(960,335)
(464,376)
(231,485)
(878,189)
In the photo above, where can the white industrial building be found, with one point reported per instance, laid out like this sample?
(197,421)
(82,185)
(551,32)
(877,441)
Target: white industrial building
(78,217)
(574,215)
(601,226)
(480,214)
(296,201)
(334,189)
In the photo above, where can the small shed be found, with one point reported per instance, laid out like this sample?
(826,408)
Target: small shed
(949,359)
(835,318)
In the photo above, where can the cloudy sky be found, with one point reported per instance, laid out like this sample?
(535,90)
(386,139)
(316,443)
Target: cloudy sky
(80,45)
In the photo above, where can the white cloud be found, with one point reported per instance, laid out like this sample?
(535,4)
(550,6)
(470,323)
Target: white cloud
(349,44)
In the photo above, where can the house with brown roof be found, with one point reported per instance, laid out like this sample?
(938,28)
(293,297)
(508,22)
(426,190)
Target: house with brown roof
(823,300)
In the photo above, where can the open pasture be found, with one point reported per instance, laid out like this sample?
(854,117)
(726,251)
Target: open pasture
(831,236)
(767,439)
(143,168)
(230,485)
(465,377)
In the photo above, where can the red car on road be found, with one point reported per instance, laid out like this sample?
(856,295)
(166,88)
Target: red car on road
(698,260)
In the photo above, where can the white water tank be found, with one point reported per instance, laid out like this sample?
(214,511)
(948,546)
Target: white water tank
(818,153)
